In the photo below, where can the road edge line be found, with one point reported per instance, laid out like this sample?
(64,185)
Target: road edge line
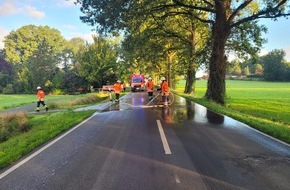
(163,138)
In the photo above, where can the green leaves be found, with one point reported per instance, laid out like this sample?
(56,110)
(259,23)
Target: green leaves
(98,62)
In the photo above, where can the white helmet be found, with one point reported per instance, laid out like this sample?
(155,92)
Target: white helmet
(162,78)
(38,88)
(149,78)
(118,81)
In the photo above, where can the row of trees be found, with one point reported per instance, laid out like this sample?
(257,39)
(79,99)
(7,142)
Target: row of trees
(187,32)
(39,56)
(158,38)
(270,67)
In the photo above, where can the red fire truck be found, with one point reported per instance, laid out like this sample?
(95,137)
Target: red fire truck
(137,82)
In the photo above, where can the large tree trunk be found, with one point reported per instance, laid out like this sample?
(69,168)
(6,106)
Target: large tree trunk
(191,69)
(216,89)
(190,78)
(170,56)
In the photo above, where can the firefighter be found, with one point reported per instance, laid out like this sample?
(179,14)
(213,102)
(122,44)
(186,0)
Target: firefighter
(40,99)
(150,86)
(117,89)
(165,90)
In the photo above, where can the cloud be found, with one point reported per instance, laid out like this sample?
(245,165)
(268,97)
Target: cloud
(263,52)
(9,8)
(287,50)
(33,12)
(3,33)
(66,3)
(86,37)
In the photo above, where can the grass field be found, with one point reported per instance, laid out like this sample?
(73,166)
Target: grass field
(263,105)
(10,101)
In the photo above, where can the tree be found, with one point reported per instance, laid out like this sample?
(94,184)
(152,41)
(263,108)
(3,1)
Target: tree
(6,74)
(97,62)
(246,71)
(275,66)
(224,16)
(41,66)
(234,68)
(34,51)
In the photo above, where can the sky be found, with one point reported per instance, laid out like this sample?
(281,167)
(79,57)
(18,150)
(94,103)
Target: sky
(64,16)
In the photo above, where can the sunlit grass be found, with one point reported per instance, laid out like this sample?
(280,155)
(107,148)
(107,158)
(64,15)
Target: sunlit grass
(262,105)
(11,101)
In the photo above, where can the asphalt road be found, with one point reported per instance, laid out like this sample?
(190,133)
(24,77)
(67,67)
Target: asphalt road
(137,145)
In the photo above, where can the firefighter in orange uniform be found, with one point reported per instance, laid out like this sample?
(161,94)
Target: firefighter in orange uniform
(40,99)
(117,89)
(150,86)
(165,90)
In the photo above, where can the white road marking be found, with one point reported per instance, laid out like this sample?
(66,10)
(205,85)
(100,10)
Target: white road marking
(177,179)
(7,172)
(163,138)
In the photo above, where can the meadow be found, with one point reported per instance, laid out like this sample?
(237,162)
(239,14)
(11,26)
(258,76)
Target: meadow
(262,105)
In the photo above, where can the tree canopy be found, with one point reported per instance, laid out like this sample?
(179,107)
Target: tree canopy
(224,17)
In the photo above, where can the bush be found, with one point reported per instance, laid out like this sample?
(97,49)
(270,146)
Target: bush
(58,92)
(8,89)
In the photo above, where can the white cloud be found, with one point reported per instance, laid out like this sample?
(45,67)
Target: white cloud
(86,37)
(287,50)
(33,12)
(3,33)
(263,52)
(8,9)
(66,3)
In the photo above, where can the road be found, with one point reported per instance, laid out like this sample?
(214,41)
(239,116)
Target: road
(136,145)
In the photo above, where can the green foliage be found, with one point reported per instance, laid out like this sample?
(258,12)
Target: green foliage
(275,66)
(57,92)
(232,24)
(98,62)
(8,89)
(34,51)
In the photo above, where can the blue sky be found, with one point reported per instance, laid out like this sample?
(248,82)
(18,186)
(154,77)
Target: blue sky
(64,16)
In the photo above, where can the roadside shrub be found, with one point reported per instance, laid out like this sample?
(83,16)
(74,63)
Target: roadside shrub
(8,89)
(12,123)
(58,92)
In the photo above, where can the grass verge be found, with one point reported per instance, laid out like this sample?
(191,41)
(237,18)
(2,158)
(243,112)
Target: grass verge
(43,128)
(22,133)
(258,120)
